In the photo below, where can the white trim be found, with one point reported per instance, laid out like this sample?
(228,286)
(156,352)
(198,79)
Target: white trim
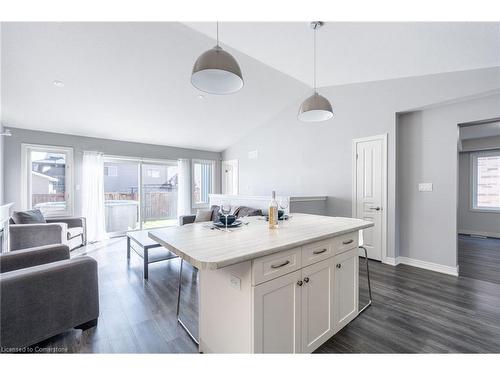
(428,265)
(69,189)
(390,261)
(479,233)
(202,161)
(355,142)
(473,182)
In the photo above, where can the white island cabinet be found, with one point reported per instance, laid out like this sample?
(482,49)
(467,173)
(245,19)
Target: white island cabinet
(272,291)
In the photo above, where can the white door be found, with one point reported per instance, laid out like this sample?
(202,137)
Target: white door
(346,287)
(277,315)
(230,177)
(318,318)
(369,190)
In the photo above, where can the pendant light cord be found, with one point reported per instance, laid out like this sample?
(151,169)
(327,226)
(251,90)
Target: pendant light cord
(315,60)
(217,33)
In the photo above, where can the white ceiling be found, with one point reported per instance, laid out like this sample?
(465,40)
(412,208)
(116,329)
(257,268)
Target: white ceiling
(362,51)
(480,131)
(131,81)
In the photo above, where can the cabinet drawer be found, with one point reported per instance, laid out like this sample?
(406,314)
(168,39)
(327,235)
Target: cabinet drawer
(316,251)
(345,242)
(275,265)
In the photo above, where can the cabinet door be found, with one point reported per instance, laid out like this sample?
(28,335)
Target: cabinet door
(346,287)
(277,315)
(318,318)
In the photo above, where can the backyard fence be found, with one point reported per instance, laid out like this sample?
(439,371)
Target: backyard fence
(156,204)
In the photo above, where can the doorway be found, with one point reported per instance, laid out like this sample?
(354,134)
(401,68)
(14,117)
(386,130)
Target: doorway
(139,194)
(478,220)
(230,177)
(369,191)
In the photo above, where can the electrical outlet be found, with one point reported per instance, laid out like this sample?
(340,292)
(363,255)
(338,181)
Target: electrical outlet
(425,186)
(235,282)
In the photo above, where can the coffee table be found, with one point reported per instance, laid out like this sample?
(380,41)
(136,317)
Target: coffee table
(149,250)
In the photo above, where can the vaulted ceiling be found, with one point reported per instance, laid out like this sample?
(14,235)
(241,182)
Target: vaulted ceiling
(131,81)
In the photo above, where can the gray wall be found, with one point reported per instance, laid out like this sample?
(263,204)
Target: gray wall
(427,152)
(12,156)
(473,222)
(301,159)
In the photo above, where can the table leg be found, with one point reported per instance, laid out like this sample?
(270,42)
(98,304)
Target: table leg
(128,247)
(146,263)
(178,307)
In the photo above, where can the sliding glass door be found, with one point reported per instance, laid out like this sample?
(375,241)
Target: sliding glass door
(121,195)
(159,195)
(139,194)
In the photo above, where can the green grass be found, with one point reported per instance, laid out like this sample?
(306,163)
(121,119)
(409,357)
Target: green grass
(159,223)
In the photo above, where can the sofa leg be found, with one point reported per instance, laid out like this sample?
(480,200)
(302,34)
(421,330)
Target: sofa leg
(89,324)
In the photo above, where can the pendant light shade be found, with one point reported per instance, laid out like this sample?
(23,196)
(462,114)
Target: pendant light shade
(217,71)
(316,107)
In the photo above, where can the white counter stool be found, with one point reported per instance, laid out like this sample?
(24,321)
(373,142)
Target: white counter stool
(361,243)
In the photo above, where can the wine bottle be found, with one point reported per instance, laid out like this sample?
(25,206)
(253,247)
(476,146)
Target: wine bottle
(273,212)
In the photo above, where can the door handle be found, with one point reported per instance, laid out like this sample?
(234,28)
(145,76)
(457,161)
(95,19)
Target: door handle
(375,208)
(306,279)
(299,283)
(280,265)
(347,242)
(339,265)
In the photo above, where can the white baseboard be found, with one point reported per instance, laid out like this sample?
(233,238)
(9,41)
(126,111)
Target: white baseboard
(428,265)
(390,261)
(479,233)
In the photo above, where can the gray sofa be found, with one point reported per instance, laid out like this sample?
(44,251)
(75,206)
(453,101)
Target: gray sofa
(70,231)
(43,293)
(240,211)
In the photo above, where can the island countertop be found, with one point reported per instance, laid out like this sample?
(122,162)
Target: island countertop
(206,248)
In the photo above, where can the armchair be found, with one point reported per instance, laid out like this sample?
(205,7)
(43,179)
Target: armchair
(44,293)
(71,231)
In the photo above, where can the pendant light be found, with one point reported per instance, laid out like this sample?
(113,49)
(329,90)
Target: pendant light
(316,107)
(217,72)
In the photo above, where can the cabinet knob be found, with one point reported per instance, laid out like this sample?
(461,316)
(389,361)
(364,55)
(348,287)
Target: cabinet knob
(339,265)
(306,279)
(299,283)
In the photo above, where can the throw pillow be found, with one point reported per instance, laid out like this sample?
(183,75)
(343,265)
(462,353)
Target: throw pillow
(28,217)
(203,215)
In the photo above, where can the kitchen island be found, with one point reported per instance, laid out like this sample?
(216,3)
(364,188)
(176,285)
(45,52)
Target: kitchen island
(285,290)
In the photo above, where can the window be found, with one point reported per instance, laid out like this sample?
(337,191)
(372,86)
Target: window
(110,171)
(153,173)
(203,182)
(47,182)
(485,167)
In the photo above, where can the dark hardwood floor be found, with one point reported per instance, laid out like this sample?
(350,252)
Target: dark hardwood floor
(479,258)
(414,311)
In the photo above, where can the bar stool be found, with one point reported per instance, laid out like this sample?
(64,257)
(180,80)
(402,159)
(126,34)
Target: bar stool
(360,245)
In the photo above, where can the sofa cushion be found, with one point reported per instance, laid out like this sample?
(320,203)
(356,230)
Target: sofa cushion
(203,215)
(215,212)
(247,211)
(28,217)
(74,232)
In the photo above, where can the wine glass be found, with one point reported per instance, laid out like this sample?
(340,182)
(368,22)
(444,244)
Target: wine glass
(225,209)
(283,205)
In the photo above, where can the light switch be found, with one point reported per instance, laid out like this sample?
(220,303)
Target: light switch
(253,154)
(235,282)
(425,186)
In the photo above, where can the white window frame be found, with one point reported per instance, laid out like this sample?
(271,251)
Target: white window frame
(26,200)
(212,188)
(473,181)
(114,174)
